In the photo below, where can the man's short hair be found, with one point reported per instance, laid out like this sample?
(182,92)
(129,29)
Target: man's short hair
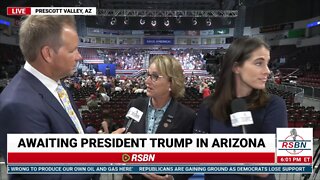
(37,31)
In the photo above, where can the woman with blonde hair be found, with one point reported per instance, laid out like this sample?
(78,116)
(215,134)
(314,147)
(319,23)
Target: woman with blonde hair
(162,113)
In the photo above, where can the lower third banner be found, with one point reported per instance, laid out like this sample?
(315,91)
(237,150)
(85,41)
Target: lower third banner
(136,169)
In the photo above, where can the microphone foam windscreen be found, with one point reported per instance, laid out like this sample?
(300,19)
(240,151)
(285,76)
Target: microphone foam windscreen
(238,105)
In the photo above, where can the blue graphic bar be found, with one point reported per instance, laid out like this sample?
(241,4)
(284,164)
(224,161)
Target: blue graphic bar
(7,23)
(136,169)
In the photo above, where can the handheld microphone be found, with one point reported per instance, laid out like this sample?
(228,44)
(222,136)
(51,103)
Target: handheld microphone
(240,115)
(316,171)
(316,166)
(133,114)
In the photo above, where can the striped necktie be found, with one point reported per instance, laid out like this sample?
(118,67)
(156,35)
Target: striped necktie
(64,98)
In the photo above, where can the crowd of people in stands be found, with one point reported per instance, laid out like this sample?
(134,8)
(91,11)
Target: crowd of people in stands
(190,59)
(128,59)
(135,58)
(12,60)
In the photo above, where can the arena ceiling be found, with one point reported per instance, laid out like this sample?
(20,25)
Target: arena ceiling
(258,12)
(138,4)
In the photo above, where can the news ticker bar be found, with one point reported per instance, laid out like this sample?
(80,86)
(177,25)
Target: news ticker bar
(136,169)
(21,11)
(178,158)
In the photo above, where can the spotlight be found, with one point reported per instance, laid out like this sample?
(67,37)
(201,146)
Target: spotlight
(194,21)
(166,22)
(113,21)
(142,21)
(126,21)
(153,22)
(208,22)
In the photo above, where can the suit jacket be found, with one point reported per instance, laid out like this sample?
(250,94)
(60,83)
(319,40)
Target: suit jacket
(27,106)
(178,118)
(266,120)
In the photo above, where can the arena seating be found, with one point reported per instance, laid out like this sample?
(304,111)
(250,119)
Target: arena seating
(299,116)
(115,110)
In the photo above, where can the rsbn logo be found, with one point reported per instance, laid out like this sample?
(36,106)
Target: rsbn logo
(294,143)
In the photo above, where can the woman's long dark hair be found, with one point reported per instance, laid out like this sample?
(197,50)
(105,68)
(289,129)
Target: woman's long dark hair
(238,52)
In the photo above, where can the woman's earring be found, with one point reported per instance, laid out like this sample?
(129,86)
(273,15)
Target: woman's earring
(169,89)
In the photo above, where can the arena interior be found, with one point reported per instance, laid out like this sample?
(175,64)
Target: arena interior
(117,44)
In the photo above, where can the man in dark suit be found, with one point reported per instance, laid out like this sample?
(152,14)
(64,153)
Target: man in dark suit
(32,102)
(162,113)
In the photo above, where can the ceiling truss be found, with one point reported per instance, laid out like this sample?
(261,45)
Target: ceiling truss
(166,13)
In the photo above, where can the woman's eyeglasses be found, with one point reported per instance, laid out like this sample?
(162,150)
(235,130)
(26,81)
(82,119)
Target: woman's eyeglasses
(153,76)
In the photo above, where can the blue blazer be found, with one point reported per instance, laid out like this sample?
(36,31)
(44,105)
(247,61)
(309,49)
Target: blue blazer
(27,106)
(266,120)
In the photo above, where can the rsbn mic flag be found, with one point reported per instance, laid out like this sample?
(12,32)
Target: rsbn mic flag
(240,115)
(133,114)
